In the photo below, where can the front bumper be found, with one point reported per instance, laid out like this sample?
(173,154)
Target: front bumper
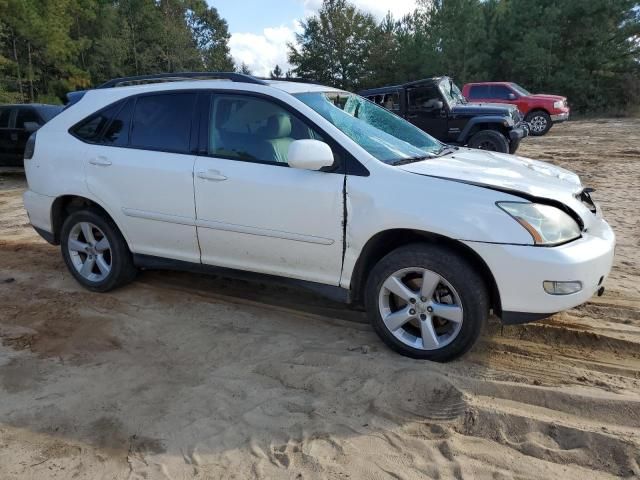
(560,117)
(519,131)
(519,272)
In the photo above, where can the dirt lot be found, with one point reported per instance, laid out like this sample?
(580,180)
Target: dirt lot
(185,376)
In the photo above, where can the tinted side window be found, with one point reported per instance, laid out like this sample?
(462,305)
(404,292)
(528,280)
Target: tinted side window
(117,133)
(479,91)
(248,128)
(423,98)
(26,115)
(500,91)
(5,113)
(92,127)
(163,122)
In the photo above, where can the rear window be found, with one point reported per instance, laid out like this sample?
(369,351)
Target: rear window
(163,122)
(479,91)
(27,115)
(5,113)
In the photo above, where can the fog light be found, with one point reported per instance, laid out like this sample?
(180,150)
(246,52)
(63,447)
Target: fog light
(561,288)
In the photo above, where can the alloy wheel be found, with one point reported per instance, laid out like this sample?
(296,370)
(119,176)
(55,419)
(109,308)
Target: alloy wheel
(90,251)
(420,308)
(538,124)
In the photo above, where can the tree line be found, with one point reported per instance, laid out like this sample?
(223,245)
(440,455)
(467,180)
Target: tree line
(50,47)
(586,50)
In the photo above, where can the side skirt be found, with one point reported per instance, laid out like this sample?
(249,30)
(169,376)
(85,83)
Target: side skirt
(150,262)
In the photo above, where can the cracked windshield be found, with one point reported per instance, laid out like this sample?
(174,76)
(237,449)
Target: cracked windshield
(381,133)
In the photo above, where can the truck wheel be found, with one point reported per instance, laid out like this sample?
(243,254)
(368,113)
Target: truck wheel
(539,122)
(95,251)
(426,302)
(490,140)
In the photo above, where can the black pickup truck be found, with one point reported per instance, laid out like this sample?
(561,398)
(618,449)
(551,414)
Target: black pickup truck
(437,106)
(17,123)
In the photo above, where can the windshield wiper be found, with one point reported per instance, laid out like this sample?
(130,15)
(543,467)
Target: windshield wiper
(446,150)
(404,161)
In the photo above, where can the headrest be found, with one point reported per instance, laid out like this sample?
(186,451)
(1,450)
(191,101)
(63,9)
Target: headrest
(278,126)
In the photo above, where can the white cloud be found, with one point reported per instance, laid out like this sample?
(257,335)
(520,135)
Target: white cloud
(262,52)
(379,8)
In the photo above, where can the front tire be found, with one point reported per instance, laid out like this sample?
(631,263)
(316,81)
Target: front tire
(427,302)
(491,140)
(539,122)
(95,251)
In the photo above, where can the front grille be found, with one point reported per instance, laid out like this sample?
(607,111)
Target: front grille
(585,198)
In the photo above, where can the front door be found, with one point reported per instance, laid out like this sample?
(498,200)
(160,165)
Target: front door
(427,111)
(256,213)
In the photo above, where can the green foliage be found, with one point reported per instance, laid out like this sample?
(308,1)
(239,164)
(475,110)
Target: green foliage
(335,46)
(586,50)
(49,47)
(276,72)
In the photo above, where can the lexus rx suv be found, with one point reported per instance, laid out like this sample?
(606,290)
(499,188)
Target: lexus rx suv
(319,185)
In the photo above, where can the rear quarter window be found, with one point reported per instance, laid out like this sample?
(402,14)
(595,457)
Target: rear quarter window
(90,129)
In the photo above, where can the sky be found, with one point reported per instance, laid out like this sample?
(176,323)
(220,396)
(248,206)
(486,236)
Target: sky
(261,29)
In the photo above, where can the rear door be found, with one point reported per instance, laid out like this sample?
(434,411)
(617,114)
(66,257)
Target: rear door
(140,165)
(256,213)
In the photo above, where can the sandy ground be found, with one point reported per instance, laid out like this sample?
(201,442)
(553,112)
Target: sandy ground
(185,376)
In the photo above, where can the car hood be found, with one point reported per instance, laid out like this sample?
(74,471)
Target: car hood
(473,109)
(544,96)
(509,173)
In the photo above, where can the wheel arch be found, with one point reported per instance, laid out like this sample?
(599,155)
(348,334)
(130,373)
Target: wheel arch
(538,109)
(384,242)
(64,205)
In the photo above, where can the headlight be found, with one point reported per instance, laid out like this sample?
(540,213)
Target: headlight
(558,104)
(547,225)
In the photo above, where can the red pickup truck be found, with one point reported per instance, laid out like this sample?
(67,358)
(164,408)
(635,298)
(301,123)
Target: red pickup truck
(540,111)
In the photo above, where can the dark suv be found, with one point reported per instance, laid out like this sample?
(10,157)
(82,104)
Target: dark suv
(437,106)
(17,123)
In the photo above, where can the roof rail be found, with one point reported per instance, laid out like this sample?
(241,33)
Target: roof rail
(181,76)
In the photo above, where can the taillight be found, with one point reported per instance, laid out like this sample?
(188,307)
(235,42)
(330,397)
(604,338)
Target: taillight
(30,147)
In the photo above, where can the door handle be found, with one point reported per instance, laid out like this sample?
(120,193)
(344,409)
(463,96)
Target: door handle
(213,175)
(412,115)
(100,161)
(14,137)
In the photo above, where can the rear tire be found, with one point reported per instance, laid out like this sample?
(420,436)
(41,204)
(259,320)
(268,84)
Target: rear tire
(490,140)
(539,122)
(436,280)
(95,251)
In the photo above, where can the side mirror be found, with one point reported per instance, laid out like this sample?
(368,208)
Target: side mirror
(31,127)
(310,155)
(511,96)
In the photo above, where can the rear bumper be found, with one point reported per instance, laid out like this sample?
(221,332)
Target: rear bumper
(38,209)
(519,272)
(560,117)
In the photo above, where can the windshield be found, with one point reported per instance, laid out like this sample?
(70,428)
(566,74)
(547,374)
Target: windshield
(381,133)
(520,90)
(451,92)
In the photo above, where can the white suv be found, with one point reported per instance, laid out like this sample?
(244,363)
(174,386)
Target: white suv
(319,185)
